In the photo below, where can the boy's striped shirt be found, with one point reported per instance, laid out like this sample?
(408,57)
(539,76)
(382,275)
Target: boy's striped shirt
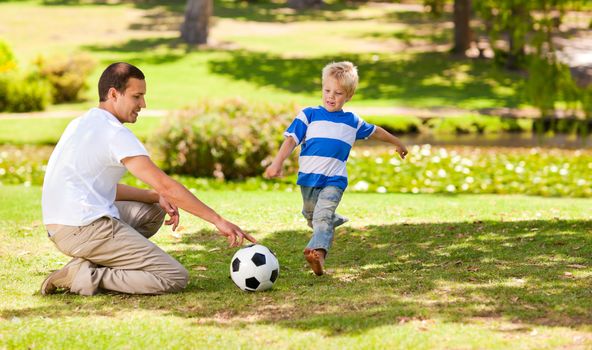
(326,138)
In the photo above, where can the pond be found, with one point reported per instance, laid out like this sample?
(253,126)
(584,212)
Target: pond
(564,141)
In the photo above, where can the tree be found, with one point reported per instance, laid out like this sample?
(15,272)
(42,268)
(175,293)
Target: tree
(304,4)
(195,28)
(462,19)
(462,28)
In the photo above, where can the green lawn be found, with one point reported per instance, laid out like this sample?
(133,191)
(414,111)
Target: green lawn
(263,52)
(408,271)
(47,131)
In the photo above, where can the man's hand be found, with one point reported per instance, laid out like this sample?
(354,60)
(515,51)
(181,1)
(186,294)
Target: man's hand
(170,209)
(273,170)
(233,233)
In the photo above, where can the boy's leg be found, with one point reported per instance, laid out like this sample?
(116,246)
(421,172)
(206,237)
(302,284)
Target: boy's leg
(323,227)
(116,257)
(144,218)
(310,195)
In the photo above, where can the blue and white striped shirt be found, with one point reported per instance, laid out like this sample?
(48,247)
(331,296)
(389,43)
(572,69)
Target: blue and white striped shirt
(326,138)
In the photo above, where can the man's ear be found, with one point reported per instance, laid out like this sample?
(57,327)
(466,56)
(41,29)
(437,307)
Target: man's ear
(112,93)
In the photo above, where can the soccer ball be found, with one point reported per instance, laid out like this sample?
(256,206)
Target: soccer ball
(254,268)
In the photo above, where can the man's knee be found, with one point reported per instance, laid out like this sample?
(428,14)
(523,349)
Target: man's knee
(178,281)
(155,220)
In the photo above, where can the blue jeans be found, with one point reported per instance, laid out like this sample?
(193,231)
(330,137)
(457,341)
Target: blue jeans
(319,205)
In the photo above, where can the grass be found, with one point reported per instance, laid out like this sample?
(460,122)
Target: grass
(47,131)
(408,271)
(264,52)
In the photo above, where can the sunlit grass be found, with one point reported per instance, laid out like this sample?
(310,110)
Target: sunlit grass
(259,55)
(407,272)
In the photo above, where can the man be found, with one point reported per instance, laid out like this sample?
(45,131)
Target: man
(104,225)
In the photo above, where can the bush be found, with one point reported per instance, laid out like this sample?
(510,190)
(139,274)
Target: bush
(7,60)
(23,94)
(67,75)
(231,139)
(396,124)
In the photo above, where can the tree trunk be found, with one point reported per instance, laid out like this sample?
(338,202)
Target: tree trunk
(304,4)
(196,27)
(462,27)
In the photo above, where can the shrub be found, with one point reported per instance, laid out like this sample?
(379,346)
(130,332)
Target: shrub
(67,75)
(7,60)
(397,124)
(23,94)
(231,139)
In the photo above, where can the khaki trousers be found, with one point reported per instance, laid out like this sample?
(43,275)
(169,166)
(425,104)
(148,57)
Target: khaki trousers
(116,255)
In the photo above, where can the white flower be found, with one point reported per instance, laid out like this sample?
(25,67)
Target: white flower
(450,188)
(415,190)
(563,172)
(467,162)
(554,169)
(381,189)
(581,182)
(470,180)
(509,166)
(519,170)
(378,160)
(361,186)
(436,159)
(395,161)
(464,187)
(442,173)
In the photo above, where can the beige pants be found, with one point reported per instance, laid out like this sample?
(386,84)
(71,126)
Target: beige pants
(115,254)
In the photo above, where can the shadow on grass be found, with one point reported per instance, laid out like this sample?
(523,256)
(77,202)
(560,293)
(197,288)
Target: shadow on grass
(422,76)
(531,272)
(263,11)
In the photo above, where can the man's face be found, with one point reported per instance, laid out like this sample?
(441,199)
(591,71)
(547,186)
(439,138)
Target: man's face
(129,103)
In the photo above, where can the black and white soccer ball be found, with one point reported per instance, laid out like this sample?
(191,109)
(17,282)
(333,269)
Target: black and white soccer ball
(254,268)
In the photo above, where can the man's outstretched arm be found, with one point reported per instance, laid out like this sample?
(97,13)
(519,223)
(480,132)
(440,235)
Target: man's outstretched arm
(172,191)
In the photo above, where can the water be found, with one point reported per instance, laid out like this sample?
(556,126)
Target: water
(527,140)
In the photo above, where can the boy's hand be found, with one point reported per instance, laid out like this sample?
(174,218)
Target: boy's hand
(402,150)
(273,171)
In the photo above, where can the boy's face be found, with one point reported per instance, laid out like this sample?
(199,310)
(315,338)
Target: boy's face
(334,96)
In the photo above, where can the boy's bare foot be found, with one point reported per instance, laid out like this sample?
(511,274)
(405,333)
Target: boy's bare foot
(316,260)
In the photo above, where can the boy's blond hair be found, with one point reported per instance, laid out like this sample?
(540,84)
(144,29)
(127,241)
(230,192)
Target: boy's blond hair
(345,73)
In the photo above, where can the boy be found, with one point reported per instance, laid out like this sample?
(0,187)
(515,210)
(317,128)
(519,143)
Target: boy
(327,134)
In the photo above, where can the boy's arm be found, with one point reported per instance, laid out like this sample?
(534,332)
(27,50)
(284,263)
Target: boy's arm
(382,135)
(275,168)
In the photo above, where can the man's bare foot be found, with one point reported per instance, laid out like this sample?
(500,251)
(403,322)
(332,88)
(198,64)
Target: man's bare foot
(316,260)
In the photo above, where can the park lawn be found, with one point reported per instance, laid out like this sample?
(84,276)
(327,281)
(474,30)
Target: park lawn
(408,271)
(47,131)
(264,53)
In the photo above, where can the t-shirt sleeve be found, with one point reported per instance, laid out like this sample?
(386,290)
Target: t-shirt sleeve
(365,130)
(125,144)
(297,130)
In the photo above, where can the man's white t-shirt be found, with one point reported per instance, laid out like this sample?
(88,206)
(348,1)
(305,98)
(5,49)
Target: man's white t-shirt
(83,171)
